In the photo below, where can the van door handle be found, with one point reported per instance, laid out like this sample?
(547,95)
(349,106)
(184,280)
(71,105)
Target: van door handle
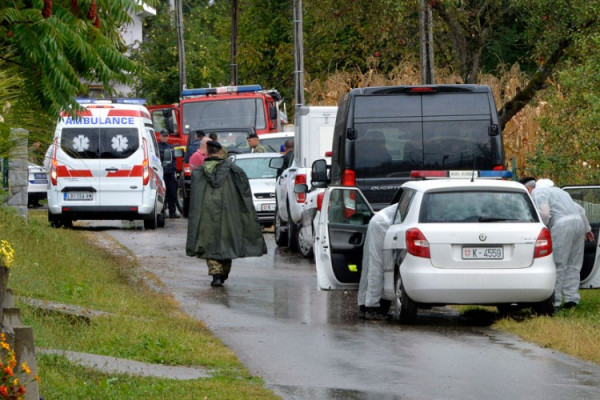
(112,169)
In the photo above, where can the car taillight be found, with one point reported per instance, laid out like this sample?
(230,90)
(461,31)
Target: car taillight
(543,244)
(416,244)
(349,178)
(54,167)
(300,179)
(145,166)
(187,171)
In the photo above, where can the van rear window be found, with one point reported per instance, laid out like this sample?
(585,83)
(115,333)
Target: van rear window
(393,149)
(99,143)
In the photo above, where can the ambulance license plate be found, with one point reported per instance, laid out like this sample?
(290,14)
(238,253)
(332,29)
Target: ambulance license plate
(79,196)
(482,253)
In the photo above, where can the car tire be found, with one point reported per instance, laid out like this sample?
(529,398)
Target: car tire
(545,307)
(292,234)
(280,235)
(160,219)
(406,308)
(179,202)
(304,246)
(152,221)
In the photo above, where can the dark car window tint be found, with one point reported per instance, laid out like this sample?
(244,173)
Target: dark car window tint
(463,144)
(387,149)
(92,143)
(477,206)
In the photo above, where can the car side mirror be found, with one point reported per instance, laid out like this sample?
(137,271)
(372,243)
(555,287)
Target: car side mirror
(351,134)
(301,188)
(493,130)
(318,174)
(273,112)
(276,163)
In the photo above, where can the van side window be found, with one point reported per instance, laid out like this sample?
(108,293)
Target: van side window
(152,137)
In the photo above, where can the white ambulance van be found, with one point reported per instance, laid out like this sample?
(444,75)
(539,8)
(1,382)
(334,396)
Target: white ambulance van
(106,165)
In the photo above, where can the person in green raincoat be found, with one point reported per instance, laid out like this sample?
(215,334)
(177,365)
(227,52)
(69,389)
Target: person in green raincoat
(222,221)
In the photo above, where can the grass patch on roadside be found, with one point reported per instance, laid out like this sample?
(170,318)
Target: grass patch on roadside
(65,266)
(575,331)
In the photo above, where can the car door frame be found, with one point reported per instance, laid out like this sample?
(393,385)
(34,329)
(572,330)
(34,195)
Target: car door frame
(592,280)
(343,241)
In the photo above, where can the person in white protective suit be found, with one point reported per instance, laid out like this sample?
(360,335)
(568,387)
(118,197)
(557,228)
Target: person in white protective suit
(375,261)
(569,228)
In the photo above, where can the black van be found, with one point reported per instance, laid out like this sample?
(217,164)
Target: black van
(383,133)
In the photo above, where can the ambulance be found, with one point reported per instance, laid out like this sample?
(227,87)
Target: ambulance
(105,165)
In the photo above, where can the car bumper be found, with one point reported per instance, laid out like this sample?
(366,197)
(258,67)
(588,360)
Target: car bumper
(426,284)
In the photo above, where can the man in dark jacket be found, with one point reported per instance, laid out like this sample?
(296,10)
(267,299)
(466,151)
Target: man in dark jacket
(169,170)
(222,223)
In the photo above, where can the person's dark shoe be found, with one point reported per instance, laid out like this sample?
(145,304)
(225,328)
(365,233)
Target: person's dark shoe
(385,305)
(217,280)
(361,311)
(569,304)
(375,314)
(174,214)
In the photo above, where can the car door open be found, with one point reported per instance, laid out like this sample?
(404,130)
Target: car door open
(341,231)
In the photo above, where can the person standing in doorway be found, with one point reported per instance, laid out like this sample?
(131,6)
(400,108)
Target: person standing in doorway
(222,223)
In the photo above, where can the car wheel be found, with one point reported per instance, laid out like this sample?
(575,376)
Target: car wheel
(304,245)
(152,221)
(180,196)
(292,234)
(160,219)
(545,307)
(280,234)
(407,309)
(55,221)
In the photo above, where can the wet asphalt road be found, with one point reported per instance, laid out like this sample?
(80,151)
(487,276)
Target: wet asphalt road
(308,344)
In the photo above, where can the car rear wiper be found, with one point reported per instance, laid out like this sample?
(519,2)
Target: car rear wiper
(495,219)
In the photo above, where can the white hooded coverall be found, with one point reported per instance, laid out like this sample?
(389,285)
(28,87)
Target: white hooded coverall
(375,259)
(567,227)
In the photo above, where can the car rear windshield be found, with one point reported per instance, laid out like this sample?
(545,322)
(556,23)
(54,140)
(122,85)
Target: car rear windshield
(477,206)
(95,143)
(257,168)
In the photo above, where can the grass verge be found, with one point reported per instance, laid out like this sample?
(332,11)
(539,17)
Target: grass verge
(65,266)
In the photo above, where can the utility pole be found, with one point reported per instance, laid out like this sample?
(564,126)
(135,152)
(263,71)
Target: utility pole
(298,55)
(180,46)
(426,28)
(233,78)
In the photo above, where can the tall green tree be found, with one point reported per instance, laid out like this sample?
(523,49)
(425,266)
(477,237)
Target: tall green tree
(50,46)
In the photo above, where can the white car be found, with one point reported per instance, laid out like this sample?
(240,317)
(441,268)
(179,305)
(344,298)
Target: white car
(37,188)
(262,182)
(455,241)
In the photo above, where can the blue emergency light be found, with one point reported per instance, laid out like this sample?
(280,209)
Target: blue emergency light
(220,90)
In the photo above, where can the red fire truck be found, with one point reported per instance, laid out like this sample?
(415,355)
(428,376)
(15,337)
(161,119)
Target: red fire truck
(247,106)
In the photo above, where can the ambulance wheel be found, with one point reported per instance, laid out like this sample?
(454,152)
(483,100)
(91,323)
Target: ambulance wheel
(152,221)
(292,234)
(280,234)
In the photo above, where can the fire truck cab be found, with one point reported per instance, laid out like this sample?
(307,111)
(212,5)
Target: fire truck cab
(216,108)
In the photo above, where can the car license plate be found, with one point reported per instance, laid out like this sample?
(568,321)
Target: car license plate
(79,196)
(482,253)
(40,176)
(267,207)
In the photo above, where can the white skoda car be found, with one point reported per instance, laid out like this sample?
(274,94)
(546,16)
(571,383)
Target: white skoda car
(454,241)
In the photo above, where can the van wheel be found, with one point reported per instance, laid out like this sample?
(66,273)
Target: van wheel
(304,246)
(407,309)
(280,233)
(292,234)
(152,222)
